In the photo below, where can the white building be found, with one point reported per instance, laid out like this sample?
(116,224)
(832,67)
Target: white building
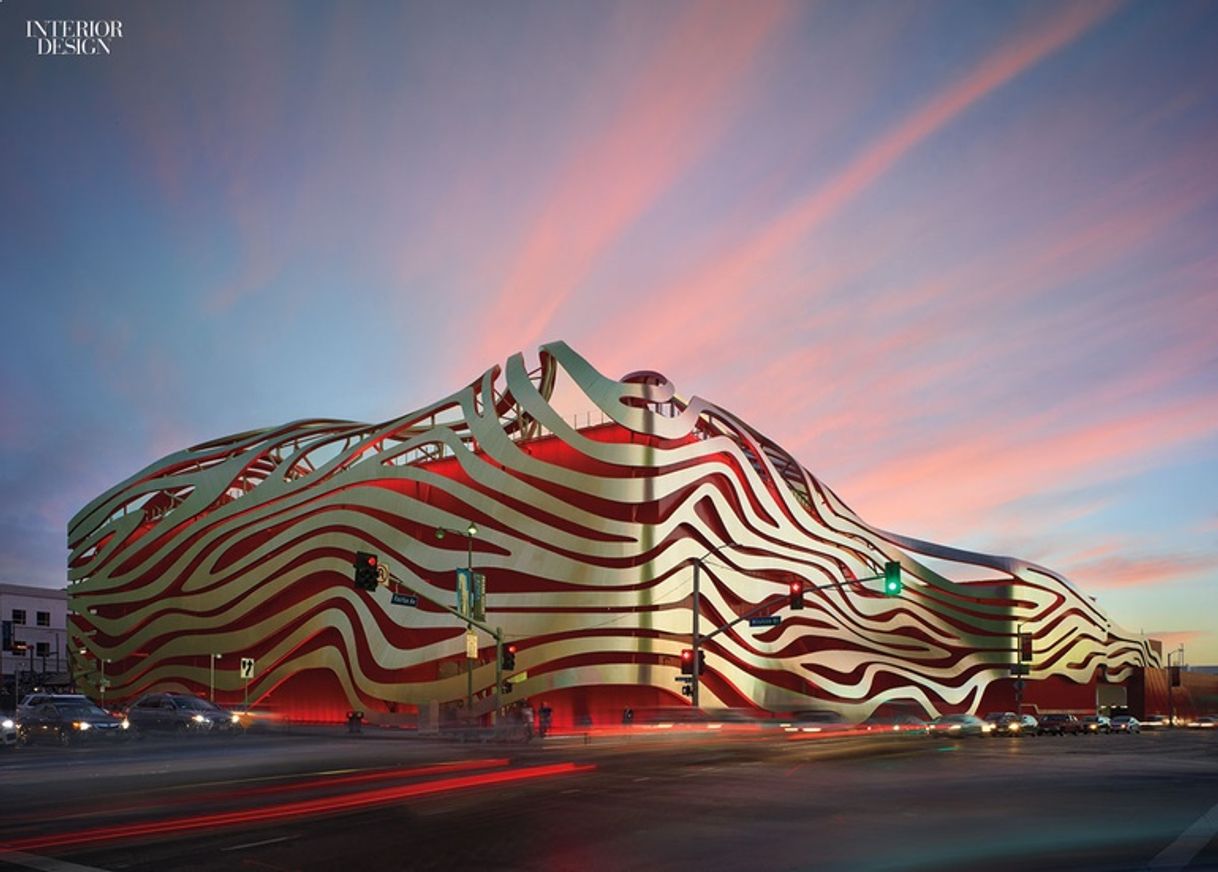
(35,633)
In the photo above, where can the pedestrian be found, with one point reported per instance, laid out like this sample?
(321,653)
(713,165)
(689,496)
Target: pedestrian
(526,714)
(628,716)
(546,714)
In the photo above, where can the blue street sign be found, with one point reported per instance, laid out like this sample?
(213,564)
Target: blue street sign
(405,599)
(767,621)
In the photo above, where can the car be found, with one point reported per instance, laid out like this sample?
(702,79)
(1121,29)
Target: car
(1011,724)
(1154,722)
(8,732)
(67,722)
(954,726)
(1126,724)
(180,712)
(1060,723)
(32,700)
(1097,724)
(907,725)
(1203,723)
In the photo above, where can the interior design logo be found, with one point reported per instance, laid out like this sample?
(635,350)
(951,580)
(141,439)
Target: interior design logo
(74,37)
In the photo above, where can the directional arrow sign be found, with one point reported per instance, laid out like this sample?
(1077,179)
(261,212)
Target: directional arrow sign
(405,599)
(767,621)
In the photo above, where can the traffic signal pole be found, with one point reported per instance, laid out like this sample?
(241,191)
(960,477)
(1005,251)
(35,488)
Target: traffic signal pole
(495,632)
(888,575)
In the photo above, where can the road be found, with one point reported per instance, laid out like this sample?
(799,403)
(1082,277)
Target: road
(749,801)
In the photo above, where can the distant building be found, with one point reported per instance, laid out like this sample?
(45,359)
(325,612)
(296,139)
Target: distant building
(34,644)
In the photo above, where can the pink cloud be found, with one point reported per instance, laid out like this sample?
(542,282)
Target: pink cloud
(721,285)
(679,106)
(1001,463)
(1143,571)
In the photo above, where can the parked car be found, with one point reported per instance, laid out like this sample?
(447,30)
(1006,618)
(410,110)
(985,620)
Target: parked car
(1126,724)
(180,712)
(67,722)
(1097,724)
(959,725)
(8,732)
(1155,722)
(1203,723)
(1060,723)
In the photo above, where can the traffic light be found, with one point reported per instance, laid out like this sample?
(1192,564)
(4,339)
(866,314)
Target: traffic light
(892,579)
(509,657)
(1025,647)
(687,661)
(365,570)
(701,661)
(797,595)
(506,688)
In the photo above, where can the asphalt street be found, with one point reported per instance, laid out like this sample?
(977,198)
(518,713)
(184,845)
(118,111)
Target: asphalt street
(647,800)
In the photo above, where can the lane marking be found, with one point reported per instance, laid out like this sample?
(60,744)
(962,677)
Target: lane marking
(44,864)
(1180,853)
(259,844)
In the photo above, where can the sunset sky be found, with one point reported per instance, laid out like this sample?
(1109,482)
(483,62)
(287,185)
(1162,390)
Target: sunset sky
(960,259)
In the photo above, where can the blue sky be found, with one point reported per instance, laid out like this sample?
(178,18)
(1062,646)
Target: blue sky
(959,258)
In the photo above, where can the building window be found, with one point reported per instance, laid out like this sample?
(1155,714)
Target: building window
(42,649)
(18,616)
(43,618)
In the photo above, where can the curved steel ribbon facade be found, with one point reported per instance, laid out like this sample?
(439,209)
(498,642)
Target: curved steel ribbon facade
(242,547)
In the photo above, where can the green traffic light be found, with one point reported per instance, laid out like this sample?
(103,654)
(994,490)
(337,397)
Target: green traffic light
(892,579)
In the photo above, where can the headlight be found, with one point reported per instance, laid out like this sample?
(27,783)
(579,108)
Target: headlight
(199,719)
(126,724)
(81,725)
(236,719)
(7,723)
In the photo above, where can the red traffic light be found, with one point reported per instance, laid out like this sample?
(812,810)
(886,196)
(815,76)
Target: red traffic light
(687,654)
(796,586)
(372,560)
(511,649)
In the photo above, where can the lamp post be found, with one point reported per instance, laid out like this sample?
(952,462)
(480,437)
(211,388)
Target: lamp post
(695,680)
(104,661)
(470,531)
(211,676)
(1171,689)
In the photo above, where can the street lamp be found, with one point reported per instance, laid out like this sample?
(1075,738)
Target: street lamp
(211,676)
(471,530)
(1171,689)
(694,680)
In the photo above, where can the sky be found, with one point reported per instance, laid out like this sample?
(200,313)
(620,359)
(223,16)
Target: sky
(960,259)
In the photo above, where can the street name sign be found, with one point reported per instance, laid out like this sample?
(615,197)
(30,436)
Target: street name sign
(405,599)
(767,621)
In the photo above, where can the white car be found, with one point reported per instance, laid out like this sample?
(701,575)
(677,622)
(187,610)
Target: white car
(1126,724)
